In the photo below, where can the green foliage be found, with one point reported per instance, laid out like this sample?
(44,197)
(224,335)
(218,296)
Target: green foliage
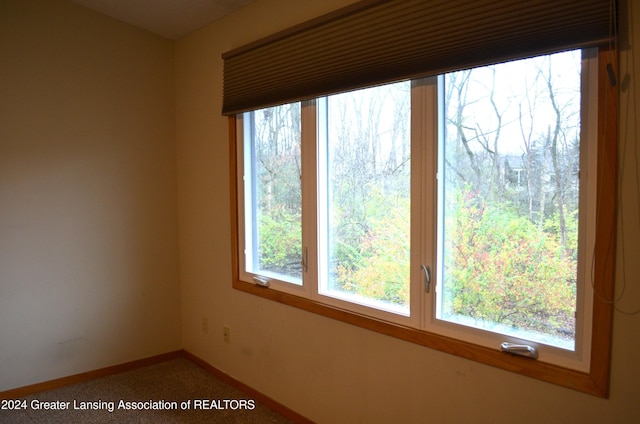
(552,227)
(382,271)
(506,260)
(280,241)
(499,267)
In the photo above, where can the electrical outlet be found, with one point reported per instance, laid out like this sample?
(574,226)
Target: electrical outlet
(205,325)
(226,332)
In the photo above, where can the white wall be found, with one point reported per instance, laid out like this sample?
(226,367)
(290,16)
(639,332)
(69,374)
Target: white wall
(88,217)
(326,370)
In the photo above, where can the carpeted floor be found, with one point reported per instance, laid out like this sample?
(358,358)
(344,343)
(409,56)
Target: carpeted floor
(205,399)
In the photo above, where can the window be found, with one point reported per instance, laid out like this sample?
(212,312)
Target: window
(511,262)
(456,211)
(272,195)
(364,199)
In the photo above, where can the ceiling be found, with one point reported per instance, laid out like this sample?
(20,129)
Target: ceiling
(171,19)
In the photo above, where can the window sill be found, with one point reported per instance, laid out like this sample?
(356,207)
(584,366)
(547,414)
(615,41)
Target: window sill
(568,378)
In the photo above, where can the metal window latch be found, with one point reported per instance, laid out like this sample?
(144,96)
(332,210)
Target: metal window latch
(261,281)
(427,278)
(519,349)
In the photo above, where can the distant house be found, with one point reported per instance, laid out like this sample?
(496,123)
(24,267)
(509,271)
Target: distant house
(513,172)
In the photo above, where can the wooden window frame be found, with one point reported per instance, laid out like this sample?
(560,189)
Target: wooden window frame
(596,380)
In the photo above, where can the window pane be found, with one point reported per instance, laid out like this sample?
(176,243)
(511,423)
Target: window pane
(273,227)
(365,252)
(508,224)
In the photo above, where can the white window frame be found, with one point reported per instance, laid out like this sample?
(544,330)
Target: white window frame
(578,359)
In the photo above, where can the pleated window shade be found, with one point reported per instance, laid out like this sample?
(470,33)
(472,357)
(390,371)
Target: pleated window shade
(374,42)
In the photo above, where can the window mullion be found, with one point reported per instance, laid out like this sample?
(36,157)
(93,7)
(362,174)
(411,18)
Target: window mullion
(320,191)
(424,133)
(309,184)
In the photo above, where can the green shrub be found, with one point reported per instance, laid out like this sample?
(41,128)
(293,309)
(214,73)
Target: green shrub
(500,267)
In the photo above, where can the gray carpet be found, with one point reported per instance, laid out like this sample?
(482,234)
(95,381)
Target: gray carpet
(178,381)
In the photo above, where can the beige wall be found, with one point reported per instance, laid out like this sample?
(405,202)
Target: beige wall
(326,370)
(89,234)
(88,219)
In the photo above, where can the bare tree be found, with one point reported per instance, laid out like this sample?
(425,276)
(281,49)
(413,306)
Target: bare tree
(553,138)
